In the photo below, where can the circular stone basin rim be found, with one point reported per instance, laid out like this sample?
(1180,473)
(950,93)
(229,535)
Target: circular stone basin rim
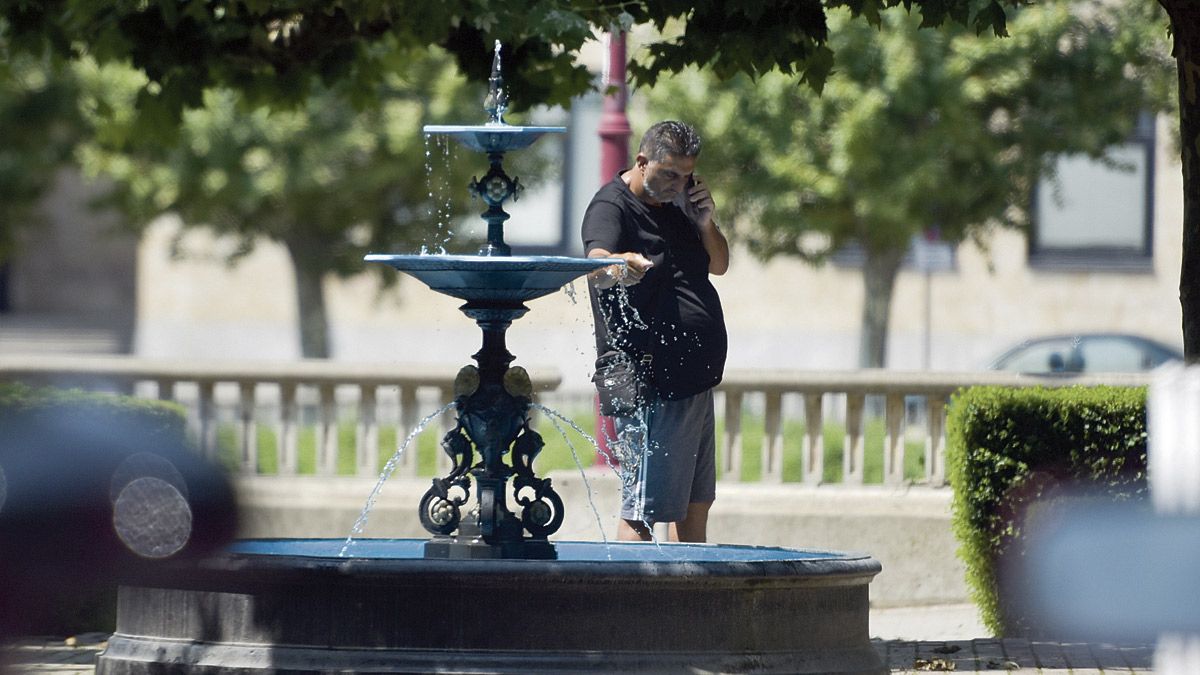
(597,558)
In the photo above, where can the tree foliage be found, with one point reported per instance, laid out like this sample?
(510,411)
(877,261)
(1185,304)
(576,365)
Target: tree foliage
(39,125)
(918,129)
(277,51)
(328,182)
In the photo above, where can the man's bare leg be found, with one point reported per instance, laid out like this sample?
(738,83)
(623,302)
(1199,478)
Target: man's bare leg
(694,526)
(633,530)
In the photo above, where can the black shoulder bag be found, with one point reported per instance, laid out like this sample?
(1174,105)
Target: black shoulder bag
(623,383)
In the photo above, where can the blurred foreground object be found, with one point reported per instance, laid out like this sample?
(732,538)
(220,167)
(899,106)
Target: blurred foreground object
(1128,572)
(96,489)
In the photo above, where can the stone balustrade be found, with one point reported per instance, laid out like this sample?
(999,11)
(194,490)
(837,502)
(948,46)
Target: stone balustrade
(211,390)
(899,390)
(292,394)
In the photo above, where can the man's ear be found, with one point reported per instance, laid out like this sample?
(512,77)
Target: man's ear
(641,160)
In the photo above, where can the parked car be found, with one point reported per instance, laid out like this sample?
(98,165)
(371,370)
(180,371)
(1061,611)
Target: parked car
(1086,353)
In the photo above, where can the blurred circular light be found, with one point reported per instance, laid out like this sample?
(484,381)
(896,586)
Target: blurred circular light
(152,518)
(145,465)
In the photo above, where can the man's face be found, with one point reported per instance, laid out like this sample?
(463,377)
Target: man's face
(666,179)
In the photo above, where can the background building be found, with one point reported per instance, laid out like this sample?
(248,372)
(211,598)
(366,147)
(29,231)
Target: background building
(1104,256)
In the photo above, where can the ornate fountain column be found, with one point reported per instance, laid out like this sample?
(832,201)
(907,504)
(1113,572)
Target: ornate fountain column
(492,398)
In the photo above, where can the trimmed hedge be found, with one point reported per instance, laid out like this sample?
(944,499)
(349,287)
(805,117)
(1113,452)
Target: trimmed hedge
(1007,447)
(22,402)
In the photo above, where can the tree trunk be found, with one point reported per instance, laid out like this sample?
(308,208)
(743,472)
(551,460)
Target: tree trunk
(1185,27)
(310,302)
(879,279)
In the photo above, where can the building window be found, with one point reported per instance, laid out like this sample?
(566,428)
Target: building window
(1097,215)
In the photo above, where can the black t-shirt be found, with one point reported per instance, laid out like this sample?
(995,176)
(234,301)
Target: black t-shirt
(675,307)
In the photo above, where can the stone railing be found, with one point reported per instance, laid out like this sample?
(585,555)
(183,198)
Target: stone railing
(287,396)
(284,391)
(901,393)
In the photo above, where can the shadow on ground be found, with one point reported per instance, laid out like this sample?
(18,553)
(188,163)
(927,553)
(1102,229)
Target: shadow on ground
(77,655)
(1011,654)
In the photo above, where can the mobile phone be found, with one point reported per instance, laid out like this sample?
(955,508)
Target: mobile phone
(683,199)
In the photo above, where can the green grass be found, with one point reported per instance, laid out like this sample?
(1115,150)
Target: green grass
(306,450)
(557,455)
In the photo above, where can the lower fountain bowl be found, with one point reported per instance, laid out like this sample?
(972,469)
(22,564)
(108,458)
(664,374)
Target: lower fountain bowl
(293,606)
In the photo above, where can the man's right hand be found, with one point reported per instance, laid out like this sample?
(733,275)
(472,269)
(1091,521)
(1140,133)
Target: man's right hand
(629,274)
(636,266)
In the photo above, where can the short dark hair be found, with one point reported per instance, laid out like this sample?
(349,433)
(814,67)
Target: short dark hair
(670,138)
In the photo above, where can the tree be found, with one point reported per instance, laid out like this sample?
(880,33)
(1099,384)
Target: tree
(1185,27)
(327,182)
(918,129)
(40,124)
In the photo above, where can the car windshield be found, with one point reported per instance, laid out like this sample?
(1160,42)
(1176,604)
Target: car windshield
(1114,355)
(1085,354)
(1040,357)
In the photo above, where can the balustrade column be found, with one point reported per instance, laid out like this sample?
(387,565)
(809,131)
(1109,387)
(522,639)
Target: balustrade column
(854,447)
(732,444)
(289,429)
(893,442)
(772,448)
(249,429)
(327,437)
(409,416)
(813,458)
(367,436)
(935,441)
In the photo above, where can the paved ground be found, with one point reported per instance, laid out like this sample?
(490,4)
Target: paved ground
(909,640)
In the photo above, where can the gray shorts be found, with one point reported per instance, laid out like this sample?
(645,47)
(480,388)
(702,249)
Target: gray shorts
(668,458)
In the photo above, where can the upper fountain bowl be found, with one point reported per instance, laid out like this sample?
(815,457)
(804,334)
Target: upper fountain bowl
(493,278)
(491,138)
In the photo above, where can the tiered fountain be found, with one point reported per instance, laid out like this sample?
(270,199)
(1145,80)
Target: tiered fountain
(490,593)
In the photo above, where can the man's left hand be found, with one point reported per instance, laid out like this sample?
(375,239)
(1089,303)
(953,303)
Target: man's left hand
(698,203)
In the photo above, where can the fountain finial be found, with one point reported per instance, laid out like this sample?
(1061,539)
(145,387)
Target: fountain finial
(496,102)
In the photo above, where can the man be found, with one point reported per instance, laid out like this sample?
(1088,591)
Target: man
(658,217)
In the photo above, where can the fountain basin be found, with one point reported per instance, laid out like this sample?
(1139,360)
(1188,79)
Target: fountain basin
(290,606)
(493,278)
(492,138)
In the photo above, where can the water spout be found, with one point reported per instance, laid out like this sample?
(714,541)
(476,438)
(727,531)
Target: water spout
(496,102)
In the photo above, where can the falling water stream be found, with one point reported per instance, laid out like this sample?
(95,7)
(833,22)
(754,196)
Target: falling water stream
(554,416)
(626,470)
(388,469)
(438,195)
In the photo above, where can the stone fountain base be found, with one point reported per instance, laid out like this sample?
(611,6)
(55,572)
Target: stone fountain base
(292,606)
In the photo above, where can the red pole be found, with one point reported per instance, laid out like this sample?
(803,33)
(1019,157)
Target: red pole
(614,125)
(614,155)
